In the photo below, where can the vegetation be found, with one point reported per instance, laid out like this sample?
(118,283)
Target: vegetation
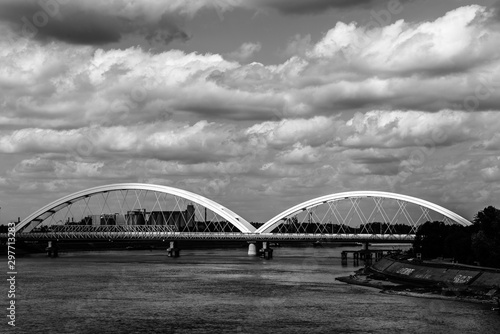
(475,244)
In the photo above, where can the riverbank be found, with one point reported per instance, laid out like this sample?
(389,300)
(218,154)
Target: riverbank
(393,288)
(444,281)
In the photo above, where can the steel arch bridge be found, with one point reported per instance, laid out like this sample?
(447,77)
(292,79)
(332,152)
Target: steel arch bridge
(353,198)
(327,217)
(137,189)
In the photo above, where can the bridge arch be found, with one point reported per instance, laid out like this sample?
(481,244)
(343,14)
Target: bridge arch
(37,217)
(278,219)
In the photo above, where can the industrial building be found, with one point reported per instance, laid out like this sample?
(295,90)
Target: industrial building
(179,219)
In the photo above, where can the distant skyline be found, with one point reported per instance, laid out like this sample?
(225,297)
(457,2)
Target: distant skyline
(258,105)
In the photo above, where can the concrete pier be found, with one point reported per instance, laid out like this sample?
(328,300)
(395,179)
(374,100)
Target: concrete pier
(266,252)
(173,250)
(367,256)
(252,248)
(51,249)
(344,258)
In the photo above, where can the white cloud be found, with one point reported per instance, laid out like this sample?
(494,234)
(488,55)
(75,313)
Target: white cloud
(299,154)
(394,129)
(456,40)
(245,51)
(343,106)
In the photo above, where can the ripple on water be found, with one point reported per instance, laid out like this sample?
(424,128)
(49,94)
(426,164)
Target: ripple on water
(226,292)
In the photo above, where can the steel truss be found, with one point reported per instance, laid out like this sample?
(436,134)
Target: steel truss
(141,211)
(362,212)
(127,205)
(221,236)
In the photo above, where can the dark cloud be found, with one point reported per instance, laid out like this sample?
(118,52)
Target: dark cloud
(77,25)
(311,6)
(496,10)
(165,32)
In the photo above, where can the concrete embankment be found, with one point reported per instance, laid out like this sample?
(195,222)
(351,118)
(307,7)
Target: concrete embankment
(431,280)
(441,274)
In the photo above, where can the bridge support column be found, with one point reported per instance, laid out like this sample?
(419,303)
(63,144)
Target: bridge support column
(266,252)
(252,249)
(173,251)
(51,249)
(368,255)
(344,258)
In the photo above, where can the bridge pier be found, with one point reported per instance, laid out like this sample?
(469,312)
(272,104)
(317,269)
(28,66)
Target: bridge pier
(355,257)
(51,249)
(266,252)
(367,255)
(173,250)
(344,258)
(252,249)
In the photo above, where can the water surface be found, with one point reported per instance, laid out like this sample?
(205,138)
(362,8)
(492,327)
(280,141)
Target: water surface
(222,291)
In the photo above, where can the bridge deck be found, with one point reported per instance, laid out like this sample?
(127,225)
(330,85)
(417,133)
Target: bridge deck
(404,238)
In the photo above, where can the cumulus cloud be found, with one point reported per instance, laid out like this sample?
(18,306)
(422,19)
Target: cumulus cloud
(451,43)
(245,51)
(396,129)
(491,174)
(410,105)
(312,132)
(299,154)
(47,84)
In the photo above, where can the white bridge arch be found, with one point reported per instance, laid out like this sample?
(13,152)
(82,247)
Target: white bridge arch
(37,217)
(278,219)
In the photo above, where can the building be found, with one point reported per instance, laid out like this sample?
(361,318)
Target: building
(179,219)
(136,217)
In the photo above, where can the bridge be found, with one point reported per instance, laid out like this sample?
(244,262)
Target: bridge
(134,211)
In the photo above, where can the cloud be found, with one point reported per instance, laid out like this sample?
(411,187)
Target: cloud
(492,143)
(200,142)
(245,51)
(491,174)
(379,109)
(45,85)
(92,22)
(299,154)
(298,7)
(396,129)
(298,46)
(457,41)
(312,132)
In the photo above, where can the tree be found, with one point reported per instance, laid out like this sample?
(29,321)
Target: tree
(430,239)
(486,237)
(467,244)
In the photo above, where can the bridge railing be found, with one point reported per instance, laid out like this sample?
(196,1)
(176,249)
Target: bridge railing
(164,235)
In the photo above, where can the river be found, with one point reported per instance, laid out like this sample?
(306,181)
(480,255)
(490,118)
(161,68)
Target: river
(221,291)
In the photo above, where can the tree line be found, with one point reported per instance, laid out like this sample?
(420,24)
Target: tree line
(475,244)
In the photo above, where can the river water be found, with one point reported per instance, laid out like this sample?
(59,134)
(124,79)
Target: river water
(221,291)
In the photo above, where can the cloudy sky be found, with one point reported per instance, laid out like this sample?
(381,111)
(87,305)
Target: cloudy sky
(257,104)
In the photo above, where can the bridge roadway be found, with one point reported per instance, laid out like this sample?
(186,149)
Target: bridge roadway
(215,236)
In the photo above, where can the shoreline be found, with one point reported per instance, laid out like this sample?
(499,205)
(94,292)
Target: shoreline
(388,287)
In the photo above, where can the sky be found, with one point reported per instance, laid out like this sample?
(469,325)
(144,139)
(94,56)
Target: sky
(256,104)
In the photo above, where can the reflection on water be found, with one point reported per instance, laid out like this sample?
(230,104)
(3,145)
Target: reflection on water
(222,291)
